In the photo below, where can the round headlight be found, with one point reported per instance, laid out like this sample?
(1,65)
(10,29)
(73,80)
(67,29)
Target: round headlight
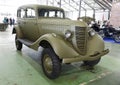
(91,32)
(68,34)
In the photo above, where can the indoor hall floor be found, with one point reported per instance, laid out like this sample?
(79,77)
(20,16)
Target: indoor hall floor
(23,68)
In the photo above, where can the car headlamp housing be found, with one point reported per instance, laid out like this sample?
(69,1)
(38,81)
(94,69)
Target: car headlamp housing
(68,34)
(91,32)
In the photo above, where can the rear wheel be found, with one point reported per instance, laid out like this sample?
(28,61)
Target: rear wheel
(116,38)
(18,43)
(92,63)
(51,64)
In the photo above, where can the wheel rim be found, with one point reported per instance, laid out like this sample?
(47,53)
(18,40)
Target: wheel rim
(117,38)
(47,62)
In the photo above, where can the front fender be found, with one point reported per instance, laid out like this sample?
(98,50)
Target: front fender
(95,44)
(60,46)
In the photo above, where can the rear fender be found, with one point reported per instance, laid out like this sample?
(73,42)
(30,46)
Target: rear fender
(17,30)
(14,30)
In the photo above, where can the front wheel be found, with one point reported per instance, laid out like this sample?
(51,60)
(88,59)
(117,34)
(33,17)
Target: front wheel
(18,43)
(92,63)
(51,64)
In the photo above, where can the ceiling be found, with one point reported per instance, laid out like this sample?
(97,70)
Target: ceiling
(74,5)
(68,5)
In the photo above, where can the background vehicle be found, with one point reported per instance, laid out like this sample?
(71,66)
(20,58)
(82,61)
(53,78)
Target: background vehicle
(63,40)
(107,31)
(111,32)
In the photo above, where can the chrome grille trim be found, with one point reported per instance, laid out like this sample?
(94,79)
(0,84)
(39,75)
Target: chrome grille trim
(81,39)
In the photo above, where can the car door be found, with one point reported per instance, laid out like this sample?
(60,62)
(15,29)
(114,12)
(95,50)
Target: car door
(30,25)
(20,19)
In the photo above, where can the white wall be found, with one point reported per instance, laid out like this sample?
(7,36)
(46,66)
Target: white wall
(8,9)
(98,15)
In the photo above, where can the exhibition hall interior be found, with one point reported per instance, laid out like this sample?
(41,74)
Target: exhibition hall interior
(59,42)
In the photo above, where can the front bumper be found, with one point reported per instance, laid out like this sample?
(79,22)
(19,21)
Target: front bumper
(84,58)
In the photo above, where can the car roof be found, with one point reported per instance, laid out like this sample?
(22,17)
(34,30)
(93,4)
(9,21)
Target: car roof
(39,6)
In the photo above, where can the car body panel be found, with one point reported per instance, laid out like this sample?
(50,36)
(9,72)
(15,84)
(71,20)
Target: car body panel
(36,29)
(59,45)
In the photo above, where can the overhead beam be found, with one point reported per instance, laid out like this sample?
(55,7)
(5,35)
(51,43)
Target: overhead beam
(91,8)
(88,5)
(94,14)
(47,2)
(96,1)
(80,2)
(104,4)
(110,1)
(70,5)
(78,5)
(60,3)
(63,5)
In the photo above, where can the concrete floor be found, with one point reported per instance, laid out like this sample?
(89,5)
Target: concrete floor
(23,68)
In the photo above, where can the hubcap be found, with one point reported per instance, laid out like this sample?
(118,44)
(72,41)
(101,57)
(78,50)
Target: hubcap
(47,62)
(117,38)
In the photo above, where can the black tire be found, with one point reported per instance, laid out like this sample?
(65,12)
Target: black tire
(92,63)
(116,38)
(18,44)
(101,33)
(51,64)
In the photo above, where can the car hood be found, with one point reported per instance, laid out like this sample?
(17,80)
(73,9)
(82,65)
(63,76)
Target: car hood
(62,22)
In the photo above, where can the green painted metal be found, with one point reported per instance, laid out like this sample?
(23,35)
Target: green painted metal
(32,30)
(18,68)
(60,46)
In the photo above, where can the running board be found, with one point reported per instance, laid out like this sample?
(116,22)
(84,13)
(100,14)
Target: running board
(25,42)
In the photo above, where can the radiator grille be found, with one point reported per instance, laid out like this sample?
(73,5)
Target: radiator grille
(81,39)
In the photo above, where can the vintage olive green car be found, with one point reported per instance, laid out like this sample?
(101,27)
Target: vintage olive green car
(63,40)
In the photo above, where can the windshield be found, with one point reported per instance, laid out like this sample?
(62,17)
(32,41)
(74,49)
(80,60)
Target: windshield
(50,13)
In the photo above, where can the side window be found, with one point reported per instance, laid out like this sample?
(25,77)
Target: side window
(42,12)
(18,13)
(50,13)
(30,13)
(21,13)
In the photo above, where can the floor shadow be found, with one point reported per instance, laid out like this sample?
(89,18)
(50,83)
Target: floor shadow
(71,74)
